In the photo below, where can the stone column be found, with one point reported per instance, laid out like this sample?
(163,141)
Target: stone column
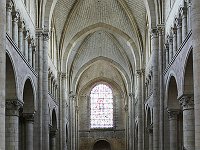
(167,54)
(179,32)
(184,22)
(45,108)
(196,63)
(34,53)
(173,127)
(132,120)
(53,140)
(39,69)
(150,132)
(187,103)
(156,103)
(12,124)
(189,15)
(21,26)
(29,120)
(15,17)
(2,71)
(30,51)
(174,40)
(26,35)
(63,110)
(8,16)
(140,105)
(170,39)
(161,87)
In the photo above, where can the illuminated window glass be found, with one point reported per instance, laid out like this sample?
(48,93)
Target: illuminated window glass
(101,107)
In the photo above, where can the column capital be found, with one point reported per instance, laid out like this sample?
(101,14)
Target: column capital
(26,34)
(154,32)
(39,32)
(126,108)
(173,113)
(132,95)
(160,28)
(140,72)
(46,35)
(21,24)
(29,116)
(12,107)
(15,16)
(183,11)
(187,102)
(178,22)
(9,5)
(174,30)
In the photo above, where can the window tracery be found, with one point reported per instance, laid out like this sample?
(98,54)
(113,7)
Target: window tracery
(101,107)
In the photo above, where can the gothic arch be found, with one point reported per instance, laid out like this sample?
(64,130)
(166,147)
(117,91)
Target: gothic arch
(188,83)
(28,97)
(116,65)
(101,144)
(99,26)
(11,80)
(172,94)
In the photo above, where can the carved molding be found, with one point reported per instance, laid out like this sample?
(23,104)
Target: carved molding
(187,102)
(12,107)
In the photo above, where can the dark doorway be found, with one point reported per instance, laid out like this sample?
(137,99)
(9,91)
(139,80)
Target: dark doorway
(102,145)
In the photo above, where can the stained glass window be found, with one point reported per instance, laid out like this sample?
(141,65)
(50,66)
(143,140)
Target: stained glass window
(101,107)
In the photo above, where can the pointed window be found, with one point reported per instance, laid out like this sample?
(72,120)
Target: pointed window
(101,106)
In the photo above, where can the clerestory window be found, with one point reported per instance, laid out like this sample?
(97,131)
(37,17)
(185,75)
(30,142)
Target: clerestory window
(101,106)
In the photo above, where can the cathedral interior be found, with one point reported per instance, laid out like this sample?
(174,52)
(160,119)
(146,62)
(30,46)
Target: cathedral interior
(100,75)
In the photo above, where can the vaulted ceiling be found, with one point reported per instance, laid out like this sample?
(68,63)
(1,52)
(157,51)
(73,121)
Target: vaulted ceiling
(92,30)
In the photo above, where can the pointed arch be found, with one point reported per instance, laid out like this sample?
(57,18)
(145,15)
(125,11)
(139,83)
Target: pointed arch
(28,97)
(11,85)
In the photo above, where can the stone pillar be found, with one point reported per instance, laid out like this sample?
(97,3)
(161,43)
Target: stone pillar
(45,108)
(167,54)
(34,53)
(2,71)
(196,63)
(53,140)
(29,120)
(30,51)
(140,105)
(179,32)
(63,110)
(39,69)
(26,35)
(189,15)
(150,133)
(173,127)
(161,85)
(15,17)
(21,26)
(184,22)
(132,120)
(12,124)
(187,103)
(8,17)
(174,40)
(170,39)
(156,103)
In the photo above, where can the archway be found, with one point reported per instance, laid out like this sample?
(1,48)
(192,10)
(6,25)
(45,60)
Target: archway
(102,145)
(53,131)
(12,107)
(187,103)
(173,117)
(26,129)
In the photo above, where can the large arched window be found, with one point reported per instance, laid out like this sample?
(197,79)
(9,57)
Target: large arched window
(101,106)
